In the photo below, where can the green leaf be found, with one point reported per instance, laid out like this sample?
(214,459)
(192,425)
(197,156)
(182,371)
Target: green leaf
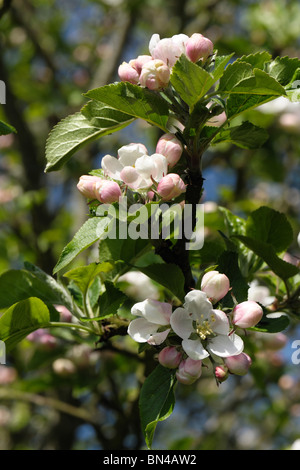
(220,64)
(270,226)
(237,104)
(134,101)
(272,323)
(21,319)
(83,276)
(266,251)
(169,276)
(191,81)
(111,300)
(283,69)
(16,285)
(156,400)
(247,136)
(91,231)
(126,250)
(233,75)
(256,83)
(77,130)
(257,60)
(6,128)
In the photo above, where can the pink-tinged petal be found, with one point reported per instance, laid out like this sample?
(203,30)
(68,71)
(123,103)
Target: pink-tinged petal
(111,167)
(161,166)
(130,176)
(128,154)
(221,323)
(194,349)
(158,338)
(154,311)
(182,323)
(224,346)
(141,330)
(197,303)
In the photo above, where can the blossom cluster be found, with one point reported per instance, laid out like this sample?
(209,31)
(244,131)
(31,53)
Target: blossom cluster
(153,71)
(136,169)
(197,331)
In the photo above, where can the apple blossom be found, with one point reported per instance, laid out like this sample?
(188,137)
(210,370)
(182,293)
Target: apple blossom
(168,49)
(170,186)
(135,167)
(139,286)
(204,331)
(138,63)
(171,147)
(128,73)
(155,75)
(221,373)
(170,357)
(198,47)
(86,185)
(189,371)
(238,365)
(107,191)
(247,314)
(152,326)
(215,285)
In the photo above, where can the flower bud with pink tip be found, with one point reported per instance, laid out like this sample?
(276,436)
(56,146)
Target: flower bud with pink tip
(170,357)
(238,365)
(107,191)
(247,314)
(221,373)
(170,186)
(169,146)
(189,371)
(198,47)
(138,63)
(155,75)
(86,185)
(127,73)
(215,285)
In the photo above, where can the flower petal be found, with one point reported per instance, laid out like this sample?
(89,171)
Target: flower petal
(158,338)
(111,166)
(197,303)
(194,349)
(145,166)
(161,166)
(141,330)
(225,346)
(153,311)
(128,154)
(182,323)
(221,323)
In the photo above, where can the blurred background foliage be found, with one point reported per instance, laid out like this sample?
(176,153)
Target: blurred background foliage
(51,52)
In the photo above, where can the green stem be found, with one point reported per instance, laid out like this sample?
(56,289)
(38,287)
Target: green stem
(70,325)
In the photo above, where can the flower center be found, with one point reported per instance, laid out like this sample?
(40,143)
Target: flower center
(204,328)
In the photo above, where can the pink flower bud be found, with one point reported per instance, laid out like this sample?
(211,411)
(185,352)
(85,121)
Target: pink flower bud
(189,371)
(138,63)
(215,285)
(169,146)
(221,373)
(65,314)
(155,75)
(86,185)
(170,357)
(107,191)
(198,47)
(127,73)
(247,314)
(238,365)
(170,186)
(7,375)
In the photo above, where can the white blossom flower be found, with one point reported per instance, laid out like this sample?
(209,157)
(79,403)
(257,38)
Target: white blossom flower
(135,167)
(204,331)
(152,326)
(168,49)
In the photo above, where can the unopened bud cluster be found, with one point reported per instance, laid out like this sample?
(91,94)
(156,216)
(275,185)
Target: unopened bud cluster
(153,71)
